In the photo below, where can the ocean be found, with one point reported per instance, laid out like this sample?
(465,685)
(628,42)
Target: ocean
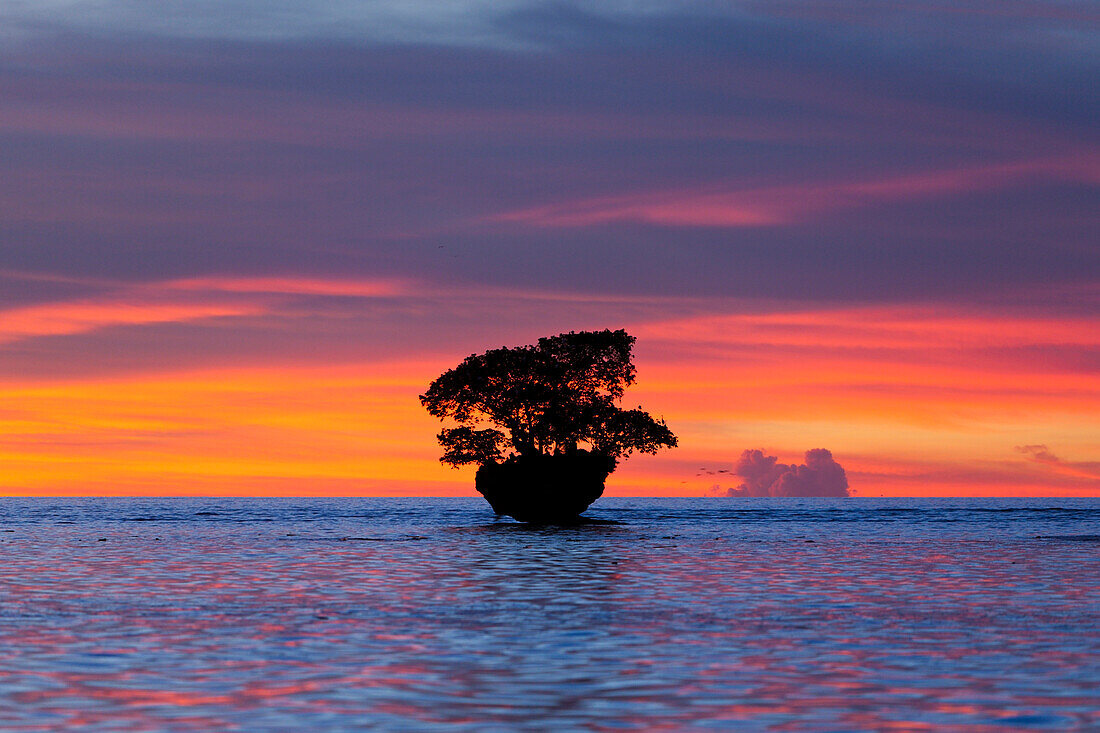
(663,614)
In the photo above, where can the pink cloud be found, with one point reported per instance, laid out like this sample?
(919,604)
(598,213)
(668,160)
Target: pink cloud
(754,207)
(293,286)
(1041,454)
(913,327)
(1044,474)
(62,319)
(177,301)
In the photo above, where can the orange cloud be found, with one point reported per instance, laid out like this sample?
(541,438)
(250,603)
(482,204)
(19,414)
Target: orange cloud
(911,401)
(354,429)
(937,386)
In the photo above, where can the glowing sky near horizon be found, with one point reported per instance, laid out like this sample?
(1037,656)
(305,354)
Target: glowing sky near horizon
(238,239)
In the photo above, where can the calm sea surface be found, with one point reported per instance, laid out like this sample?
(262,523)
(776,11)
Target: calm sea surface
(747,614)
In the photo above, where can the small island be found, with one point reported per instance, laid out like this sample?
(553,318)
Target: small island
(556,429)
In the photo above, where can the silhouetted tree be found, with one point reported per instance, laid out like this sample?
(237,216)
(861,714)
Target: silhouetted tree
(557,397)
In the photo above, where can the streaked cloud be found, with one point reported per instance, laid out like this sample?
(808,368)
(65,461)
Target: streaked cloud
(915,396)
(163,303)
(293,286)
(1078,469)
(788,204)
(229,431)
(80,317)
(863,225)
(473,22)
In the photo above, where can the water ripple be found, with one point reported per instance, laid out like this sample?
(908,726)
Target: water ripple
(758,615)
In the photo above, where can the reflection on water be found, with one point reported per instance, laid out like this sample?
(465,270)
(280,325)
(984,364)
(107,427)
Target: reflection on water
(751,614)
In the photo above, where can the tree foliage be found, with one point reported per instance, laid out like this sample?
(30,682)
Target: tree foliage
(554,397)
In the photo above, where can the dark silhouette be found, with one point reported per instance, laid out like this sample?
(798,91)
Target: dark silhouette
(557,430)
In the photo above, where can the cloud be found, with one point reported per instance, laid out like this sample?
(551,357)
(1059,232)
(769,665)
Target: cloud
(333,287)
(1039,453)
(786,204)
(180,301)
(459,23)
(763,475)
(64,319)
(863,176)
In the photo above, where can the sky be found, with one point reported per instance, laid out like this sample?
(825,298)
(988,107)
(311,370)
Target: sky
(239,238)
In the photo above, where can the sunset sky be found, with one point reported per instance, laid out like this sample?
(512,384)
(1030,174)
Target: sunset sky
(238,239)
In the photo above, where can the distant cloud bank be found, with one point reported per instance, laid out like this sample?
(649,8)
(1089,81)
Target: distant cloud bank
(763,475)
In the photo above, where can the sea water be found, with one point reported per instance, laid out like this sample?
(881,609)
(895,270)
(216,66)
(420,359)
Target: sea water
(420,614)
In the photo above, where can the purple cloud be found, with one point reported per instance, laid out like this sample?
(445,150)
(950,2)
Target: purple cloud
(1041,454)
(783,148)
(763,475)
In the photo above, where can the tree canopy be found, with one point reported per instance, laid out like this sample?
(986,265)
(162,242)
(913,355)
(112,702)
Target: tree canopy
(554,397)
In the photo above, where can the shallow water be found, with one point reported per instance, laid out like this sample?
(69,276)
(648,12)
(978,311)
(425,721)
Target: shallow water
(770,614)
